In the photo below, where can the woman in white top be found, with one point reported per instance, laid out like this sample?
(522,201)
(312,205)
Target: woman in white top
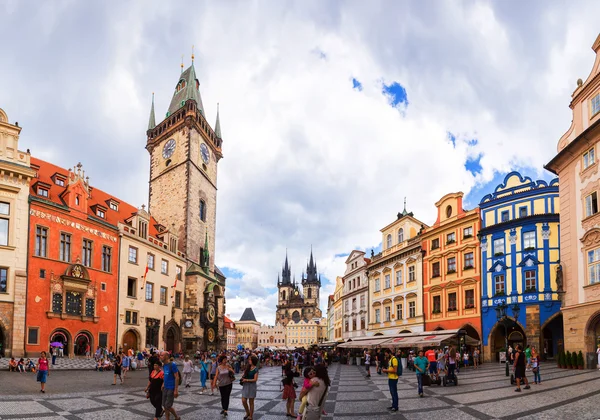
(188,368)
(368,363)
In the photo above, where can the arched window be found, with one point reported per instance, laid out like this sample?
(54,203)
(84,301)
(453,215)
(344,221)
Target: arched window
(283,295)
(389,241)
(309,293)
(401,236)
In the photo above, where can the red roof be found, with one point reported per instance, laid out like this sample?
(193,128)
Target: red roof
(45,173)
(228,322)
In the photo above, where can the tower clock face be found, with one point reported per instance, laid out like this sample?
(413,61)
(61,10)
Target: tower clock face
(204,153)
(211,314)
(169,149)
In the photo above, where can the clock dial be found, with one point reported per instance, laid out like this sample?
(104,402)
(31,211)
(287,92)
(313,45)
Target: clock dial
(169,149)
(211,335)
(204,153)
(211,314)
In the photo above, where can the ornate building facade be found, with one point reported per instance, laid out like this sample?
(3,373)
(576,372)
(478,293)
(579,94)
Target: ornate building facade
(150,302)
(15,175)
(295,304)
(396,279)
(184,154)
(355,296)
(520,259)
(452,268)
(338,310)
(576,164)
(247,330)
(72,284)
(273,337)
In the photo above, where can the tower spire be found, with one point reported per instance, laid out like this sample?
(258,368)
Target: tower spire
(404,212)
(182,63)
(152,120)
(218,124)
(206,255)
(192,54)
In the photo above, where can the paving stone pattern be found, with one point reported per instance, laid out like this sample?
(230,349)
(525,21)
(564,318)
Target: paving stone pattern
(481,394)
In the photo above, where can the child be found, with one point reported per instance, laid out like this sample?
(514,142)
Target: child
(306,386)
(21,366)
(29,366)
(466,359)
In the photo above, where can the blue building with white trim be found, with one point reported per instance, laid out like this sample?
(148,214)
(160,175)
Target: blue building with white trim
(520,257)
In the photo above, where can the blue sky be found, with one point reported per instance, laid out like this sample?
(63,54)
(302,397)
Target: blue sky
(331,112)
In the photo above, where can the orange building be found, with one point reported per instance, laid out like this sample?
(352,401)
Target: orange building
(73,262)
(452,268)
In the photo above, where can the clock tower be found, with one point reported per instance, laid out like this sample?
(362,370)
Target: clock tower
(184,154)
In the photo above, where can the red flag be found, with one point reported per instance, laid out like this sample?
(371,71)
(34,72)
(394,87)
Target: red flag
(173,287)
(144,278)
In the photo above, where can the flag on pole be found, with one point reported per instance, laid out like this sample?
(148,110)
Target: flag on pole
(144,278)
(173,287)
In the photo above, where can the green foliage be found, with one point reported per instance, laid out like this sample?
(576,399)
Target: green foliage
(574,360)
(561,358)
(580,359)
(568,359)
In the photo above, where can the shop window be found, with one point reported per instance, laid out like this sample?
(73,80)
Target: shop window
(437,304)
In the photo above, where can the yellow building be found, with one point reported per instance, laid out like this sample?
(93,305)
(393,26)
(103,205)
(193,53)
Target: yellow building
(150,311)
(520,256)
(337,309)
(396,279)
(247,330)
(273,337)
(305,333)
(14,218)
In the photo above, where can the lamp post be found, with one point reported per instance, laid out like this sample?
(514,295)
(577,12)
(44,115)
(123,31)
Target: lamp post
(507,322)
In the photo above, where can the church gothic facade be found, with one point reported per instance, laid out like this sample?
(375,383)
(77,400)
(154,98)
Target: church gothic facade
(298,302)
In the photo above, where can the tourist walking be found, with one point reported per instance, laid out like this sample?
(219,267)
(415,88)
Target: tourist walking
(249,385)
(154,390)
(368,363)
(188,368)
(392,372)
(151,361)
(43,371)
(528,357)
(476,358)
(126,362)
(451,362)
(289,393)
(170,389)
(213,372)
(519,367)
(421,366)
(224,380)
(316,395)
(204,369)
(117,370)
(598,354)
(535,365)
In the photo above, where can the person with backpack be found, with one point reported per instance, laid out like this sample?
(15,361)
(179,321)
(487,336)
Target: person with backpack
(170,387)
(392,372)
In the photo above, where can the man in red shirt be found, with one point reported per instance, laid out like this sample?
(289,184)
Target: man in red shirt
(431,356)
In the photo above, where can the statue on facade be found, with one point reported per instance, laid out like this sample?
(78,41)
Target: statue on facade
(372,253)
(559,278)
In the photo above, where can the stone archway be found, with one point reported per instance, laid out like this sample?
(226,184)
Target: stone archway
(471,332)
(62,336)
(592,340)
(172,337)
(552,337)
(83,340)
(496,339)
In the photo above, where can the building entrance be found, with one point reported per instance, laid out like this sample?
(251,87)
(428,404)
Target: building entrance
(83,341)
(61,337)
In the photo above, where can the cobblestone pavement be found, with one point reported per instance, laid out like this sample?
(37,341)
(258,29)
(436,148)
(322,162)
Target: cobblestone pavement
(481,394)
(62,363)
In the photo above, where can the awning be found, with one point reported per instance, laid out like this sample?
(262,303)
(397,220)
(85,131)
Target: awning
(401,341)
(443,338)
(363,343)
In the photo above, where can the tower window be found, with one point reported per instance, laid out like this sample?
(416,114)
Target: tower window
(203,210)
(309,293)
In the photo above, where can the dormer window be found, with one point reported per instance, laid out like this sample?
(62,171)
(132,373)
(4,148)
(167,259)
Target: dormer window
(100,213)
(42,192)
(180,85)
(59,182)
(114,206)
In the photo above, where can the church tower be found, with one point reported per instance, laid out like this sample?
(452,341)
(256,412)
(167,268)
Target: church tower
(311,284)
(184,154)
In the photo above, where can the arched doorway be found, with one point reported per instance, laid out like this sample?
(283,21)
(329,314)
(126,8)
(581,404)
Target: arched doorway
(592,339)
(130,340)
(171,340)
(471,332)
(516,335)
(61,336)
(552,337)
(83,340)
(439,329)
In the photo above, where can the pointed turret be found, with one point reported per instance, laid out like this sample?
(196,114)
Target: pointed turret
(205,255)
(218,124)
(187,88)
(311,271)
(152,120)
(286,272)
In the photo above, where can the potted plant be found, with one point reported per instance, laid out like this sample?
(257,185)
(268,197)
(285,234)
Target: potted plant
(574,360)
(559,360)
(568,360)
(580,360)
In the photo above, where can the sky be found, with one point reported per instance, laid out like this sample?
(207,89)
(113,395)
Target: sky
(332,112)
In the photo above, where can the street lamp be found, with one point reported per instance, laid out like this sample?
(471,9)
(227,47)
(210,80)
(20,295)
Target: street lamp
(507,322)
